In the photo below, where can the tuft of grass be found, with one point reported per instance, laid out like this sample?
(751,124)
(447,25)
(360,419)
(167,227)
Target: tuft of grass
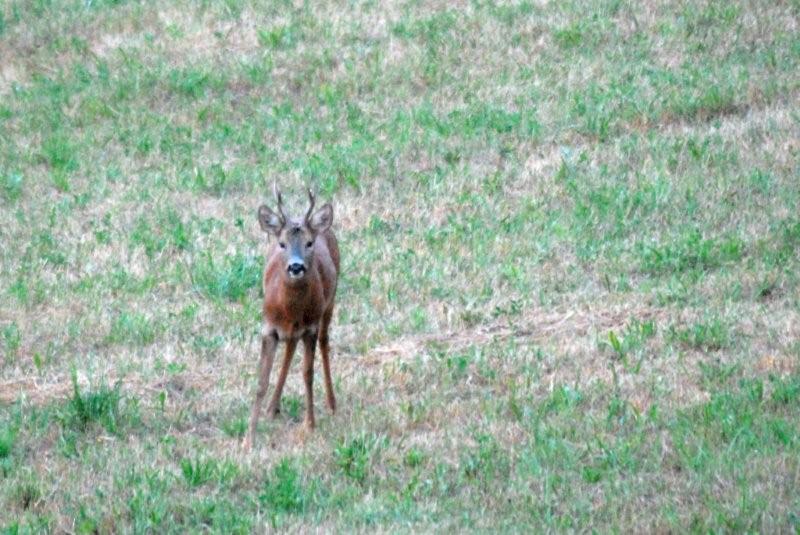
(706,102)
(689,252)
(712,334)
(279,37)
(132,328)
(231,279)
(633,339)
(46,246)
(563,398)
(7,438)
(414,458)
(786,391)
(570,36)
(220,514)
(103,406)
(198,471)
(25,494)
(283,491)
(354,457)
(784,243)
(716,374)
(729,427)
(11,186)
(60,153)
(166,231)
(486,461)
(217,180)
(235,427)
(12,339)
(191,82)
(293,407)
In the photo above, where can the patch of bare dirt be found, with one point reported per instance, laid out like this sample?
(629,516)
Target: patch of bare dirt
(10,74)
(40,392)
(572,339)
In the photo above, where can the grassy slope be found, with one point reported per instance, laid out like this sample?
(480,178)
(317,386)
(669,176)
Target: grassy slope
(569,296)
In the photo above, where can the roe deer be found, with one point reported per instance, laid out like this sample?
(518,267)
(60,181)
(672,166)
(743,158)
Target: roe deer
(299,288)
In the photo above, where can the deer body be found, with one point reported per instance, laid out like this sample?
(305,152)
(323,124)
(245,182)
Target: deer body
(290,309)
(299,284)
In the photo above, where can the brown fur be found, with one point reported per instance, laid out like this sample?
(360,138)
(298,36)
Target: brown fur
(296,309)
(288,308)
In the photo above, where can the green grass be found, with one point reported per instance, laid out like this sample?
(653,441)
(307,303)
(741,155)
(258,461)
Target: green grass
(568,298)
(103,406)
(283,491)
(711,335)
(197,472)
(232,280)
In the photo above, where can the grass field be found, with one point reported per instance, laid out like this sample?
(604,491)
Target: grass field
(570,288)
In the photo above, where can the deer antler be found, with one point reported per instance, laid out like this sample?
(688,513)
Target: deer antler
(279,198)
(311,206)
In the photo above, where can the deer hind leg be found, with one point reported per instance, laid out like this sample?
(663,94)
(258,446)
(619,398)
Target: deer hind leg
(274,406)
(268,346)
(324,347)
(310,345)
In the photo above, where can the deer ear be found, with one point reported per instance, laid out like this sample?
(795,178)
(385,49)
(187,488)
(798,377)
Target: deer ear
(322,219)
(269,220)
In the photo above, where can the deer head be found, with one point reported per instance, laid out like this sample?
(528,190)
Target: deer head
(296,236)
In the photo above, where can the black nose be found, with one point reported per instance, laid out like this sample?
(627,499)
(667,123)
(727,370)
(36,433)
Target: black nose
(296,268)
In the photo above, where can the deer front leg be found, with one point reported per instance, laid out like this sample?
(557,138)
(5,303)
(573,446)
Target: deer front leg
(325,351)
(309,344)
(274,406)
(268,345)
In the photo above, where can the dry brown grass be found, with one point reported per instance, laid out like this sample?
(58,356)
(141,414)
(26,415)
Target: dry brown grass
(485,263)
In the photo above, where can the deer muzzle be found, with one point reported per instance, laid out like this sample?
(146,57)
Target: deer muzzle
(296,269)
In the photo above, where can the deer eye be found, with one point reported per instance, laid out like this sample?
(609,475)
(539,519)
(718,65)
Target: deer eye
(283,245)
(309,244)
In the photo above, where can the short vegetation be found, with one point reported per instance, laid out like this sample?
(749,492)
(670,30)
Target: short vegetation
(570,239)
